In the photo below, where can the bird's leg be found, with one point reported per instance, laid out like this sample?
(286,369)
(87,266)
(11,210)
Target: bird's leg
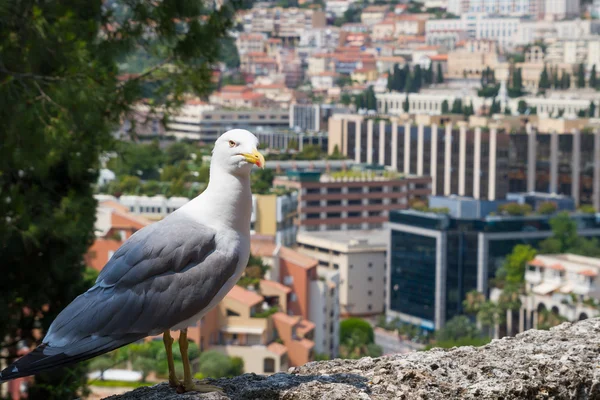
(168,341)
(188,383)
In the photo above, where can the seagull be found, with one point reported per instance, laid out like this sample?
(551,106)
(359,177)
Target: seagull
(165,277)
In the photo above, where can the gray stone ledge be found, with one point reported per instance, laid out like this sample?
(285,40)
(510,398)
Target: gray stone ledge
(563,363)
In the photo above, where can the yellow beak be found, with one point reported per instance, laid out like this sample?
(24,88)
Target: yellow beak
(255,158)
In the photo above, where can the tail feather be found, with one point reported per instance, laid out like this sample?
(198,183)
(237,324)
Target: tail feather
(46,357)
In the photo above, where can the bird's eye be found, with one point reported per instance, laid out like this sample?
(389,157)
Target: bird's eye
(232,143)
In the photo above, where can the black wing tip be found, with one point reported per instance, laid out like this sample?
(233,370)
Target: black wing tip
(24,366)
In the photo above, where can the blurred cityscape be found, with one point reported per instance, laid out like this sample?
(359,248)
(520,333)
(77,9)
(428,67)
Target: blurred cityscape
(432,180)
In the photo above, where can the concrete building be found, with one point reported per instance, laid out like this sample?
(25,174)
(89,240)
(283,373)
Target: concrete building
(477,26)
(279,139)
(470,60)
(274,214)
(350,200)
(359,257)
(497,7)
(199,122)
(287,24)
(561,9)
(574,52)
(313,117)
(325,315)
(251,43)
(546,158)
(372,15)
(436,259)
(564,284)
(312,291)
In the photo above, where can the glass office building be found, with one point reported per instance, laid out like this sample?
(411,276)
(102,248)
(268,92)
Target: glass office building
(436,259)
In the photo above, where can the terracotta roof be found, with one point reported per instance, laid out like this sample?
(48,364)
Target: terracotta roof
(536,262)
(307,344)
(256,54)
(297,258)
(276,285)
(115,205)
(557,267)
(286,319)
(245,296)
(304,327)
(588,272)
(124,220)
(262,248)
(252,96)
(277,348)
(195,102)
(235,88)
(439,57)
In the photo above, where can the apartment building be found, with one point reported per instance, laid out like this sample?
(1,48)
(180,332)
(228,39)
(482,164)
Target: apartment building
(287,24)
(373,15)
(350,200)
(498,7)
(274,214)
(281,139)
(564,284)
(475,26)
(360,259)
(246,324)
(313,117)
(472,59)
(436,259)
(326,314)
(251,43)
(574,52)
(312,291)
(237,96)
(199,122)
(549,157)
(561,9)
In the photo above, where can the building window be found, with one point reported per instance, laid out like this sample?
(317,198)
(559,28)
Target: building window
(376,201)
(374,213)
(313,216)
(332,190)
(370,293)
(269,365)
(313,191)
(334,215)
(354,214)
(351,266)
(336,266)
(370,307)
(370,279)
(355,202)
(332,203)
(315,203)
(355,189)
(375,189)
(288,280)
(231,313)
(293,297)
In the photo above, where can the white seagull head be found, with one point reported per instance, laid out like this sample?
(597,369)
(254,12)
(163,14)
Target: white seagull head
(235,152)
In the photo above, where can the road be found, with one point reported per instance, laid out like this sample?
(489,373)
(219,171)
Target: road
(391,344)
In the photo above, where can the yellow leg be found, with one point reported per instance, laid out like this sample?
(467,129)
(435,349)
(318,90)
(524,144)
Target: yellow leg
(168,341)
(188,383)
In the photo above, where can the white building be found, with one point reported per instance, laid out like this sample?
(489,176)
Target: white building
(360,259)
(561,9)
(473,26)
(580,51)
(325,313)
(564,284)
(152,207)
(531,31)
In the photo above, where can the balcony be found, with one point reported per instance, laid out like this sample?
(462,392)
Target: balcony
(533,277)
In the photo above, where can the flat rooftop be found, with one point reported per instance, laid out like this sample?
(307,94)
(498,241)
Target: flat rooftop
(351,238)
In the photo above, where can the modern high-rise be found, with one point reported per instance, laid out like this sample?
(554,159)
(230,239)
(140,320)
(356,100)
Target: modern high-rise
(480,162)
(436,259)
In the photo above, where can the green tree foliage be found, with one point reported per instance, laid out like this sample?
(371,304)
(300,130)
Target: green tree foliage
(592,110)
(547,208)
(522,107)
(565,238)
(456,328)
(336,154)
(594,82)
(59,74)
(345,99)
(137,159)
(489,91)
(468,110)
(496,107)
(515,209)
(406,104)
(457,106)
(357,339)
(440,74)
(229,53)
(445,107)
(177,152)
(262,180)
(515,264)
(544,79)
(516,87)
(581,76)
(213,364)
(366,100)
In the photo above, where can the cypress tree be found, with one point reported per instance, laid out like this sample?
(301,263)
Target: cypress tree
(581,76)
(440,74)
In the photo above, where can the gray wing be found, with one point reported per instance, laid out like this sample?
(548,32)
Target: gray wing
(164,274)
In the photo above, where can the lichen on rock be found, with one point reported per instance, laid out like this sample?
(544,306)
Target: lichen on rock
(563,363)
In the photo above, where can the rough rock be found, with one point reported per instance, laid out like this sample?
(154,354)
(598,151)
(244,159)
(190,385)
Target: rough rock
(563,363)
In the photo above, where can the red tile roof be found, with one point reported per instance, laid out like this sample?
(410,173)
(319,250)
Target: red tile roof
(276,285)
(297,258)
(589,272)
(277,348)
(245,296)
